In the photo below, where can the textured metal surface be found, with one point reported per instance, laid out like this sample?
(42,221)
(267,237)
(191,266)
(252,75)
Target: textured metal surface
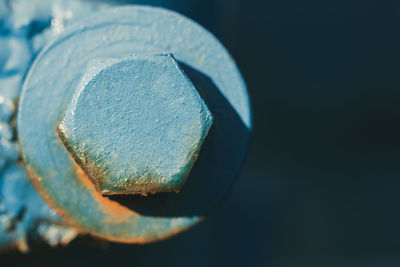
(135,124)
(25,218)
(24,212)
(115,33)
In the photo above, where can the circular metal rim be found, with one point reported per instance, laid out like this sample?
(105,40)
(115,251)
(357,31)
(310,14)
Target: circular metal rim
(124,225)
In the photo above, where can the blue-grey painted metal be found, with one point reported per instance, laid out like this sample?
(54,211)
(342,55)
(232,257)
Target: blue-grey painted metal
(64,40)
(24,212)
(135,124)
(116,33)
(24,216)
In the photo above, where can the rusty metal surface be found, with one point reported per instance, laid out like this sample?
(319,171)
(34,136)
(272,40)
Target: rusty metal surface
(25,218)
(114,33)
(135,124)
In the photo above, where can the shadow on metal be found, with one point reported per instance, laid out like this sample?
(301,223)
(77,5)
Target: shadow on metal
(219,162)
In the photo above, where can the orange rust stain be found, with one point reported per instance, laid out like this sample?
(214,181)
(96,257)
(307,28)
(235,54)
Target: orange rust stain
(116,212)
(114,209)
(143,240)
(34,179)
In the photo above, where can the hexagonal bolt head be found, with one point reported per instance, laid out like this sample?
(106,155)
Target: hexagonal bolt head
(135,124)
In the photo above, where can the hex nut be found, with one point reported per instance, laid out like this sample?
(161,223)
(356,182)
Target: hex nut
(135,124)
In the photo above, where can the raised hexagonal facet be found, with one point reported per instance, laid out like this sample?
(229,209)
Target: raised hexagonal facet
(135,124)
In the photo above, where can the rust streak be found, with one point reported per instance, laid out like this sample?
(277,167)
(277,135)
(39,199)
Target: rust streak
(113,209)
(116,212)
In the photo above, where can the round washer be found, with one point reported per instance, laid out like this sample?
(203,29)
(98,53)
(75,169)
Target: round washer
(113,33)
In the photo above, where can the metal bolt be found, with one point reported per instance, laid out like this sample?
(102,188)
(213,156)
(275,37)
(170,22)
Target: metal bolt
(135,124)
(56,75)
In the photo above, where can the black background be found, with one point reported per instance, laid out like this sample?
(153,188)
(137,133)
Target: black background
(320,186)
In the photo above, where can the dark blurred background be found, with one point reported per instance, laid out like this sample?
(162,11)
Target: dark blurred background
(320,186)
